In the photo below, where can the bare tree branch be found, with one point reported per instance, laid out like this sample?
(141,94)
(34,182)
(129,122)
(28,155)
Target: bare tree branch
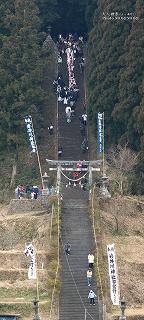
(121,160)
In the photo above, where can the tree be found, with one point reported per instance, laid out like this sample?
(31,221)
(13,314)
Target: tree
(22,70)
(106,43)
(115,68)
(121,160)
(130,82)
(90,10)
(72,17)
(49,13)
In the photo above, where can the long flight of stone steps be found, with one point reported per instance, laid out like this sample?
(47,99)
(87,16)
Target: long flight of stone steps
(69,134)
(76,225)
(76,228)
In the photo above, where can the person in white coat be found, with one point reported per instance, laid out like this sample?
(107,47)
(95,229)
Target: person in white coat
(68,113)
(90,260)
(68,110)
(84,118)
(91,297)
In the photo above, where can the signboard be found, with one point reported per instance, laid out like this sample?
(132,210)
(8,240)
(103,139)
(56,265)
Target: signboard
(114,288)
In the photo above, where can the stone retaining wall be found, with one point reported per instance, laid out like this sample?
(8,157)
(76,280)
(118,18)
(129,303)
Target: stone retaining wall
(26,205)
(136,317)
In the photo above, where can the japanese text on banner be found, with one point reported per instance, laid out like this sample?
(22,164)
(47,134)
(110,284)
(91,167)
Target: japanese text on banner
(100,132)
(114,288)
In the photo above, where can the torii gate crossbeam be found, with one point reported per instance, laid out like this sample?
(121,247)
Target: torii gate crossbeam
(61,165)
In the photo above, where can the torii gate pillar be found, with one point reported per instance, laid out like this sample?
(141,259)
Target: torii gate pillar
(58,178)
(90,181)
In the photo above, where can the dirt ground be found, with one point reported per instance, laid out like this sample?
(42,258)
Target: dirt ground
(122,223)
(16,291)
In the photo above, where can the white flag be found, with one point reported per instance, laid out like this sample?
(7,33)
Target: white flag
(29,251)
(32,271)
(114,288)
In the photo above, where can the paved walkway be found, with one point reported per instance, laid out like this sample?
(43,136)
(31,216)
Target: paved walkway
(76,225)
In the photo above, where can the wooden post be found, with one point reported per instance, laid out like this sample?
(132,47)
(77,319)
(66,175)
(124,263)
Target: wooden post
(51,220)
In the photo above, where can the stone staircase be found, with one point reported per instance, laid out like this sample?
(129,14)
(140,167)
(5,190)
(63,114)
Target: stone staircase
(69,133)
(76,228)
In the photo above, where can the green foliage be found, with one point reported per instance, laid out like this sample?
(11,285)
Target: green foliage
(64,16)
(49,12)
(136,179)
(116,72)
(129,106)
(22,62)
(89,14)
(21,67)
(115,77)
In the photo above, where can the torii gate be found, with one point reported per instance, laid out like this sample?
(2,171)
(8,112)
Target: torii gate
(70,165)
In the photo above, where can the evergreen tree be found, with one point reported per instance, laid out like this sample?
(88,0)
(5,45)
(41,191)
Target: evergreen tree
(116,64)
(22,71)
(106,47)
(49,13)
(129,106)
(72,17)
(90,10)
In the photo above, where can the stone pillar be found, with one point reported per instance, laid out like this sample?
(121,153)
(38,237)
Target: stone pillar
(58,178)
(90,181)
(45,178)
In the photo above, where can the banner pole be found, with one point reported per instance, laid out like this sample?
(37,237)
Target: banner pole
(40,168)
(37,281)
(37,155)
(37,287)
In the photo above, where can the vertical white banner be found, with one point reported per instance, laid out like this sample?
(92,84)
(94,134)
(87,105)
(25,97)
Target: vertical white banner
(29,251)
(100,121)
(114,287)
(32,270)
(30,131)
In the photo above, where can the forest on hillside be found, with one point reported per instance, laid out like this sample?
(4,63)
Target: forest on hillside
(116,76)
(115,67)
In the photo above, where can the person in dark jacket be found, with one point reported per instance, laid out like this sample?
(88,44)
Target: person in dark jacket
(67,248)
(60,151)
(50,129)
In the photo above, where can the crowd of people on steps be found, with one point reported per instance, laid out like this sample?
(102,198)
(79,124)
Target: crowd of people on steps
(72,48)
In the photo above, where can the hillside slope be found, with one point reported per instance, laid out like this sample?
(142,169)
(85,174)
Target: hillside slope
(120,221)
(16,291)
